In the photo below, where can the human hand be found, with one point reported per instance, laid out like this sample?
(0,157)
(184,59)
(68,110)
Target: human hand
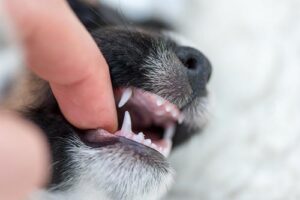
(58,49)
(24,158)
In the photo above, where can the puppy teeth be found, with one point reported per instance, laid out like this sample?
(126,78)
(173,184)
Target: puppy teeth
(159,101)
(125,97)
(147,142)
(126,126)
(139,137)
(169,132)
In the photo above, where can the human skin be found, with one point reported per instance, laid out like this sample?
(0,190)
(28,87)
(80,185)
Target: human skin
(58,49)
(23,156)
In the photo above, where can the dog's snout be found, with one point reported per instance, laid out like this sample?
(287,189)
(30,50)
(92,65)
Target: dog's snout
(198,67)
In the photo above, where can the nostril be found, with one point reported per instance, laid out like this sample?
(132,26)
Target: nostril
(190,58)
(198,66)
(190,63)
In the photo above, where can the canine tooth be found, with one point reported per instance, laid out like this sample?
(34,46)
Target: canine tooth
(125,97)
(141,135)
(159,101)
(169,132)
(126,126)
(147,142)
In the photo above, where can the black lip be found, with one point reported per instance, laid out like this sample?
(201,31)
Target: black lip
(106,141)
(127,144)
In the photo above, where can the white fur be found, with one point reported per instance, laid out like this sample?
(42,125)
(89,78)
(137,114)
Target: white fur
(110,173)
(107,170)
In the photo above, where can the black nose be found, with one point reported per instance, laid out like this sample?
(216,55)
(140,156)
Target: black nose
(198,66)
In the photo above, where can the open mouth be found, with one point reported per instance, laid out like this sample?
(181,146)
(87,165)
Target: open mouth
(146,118)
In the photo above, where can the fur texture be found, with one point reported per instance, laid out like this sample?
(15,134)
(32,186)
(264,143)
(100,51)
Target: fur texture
(139,57)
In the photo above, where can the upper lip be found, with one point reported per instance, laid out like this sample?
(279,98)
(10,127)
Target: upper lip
(147,110)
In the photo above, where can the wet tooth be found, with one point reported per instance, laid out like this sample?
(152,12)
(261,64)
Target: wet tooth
(141,134)
(159,101)
(140,137)
(125,97)
(147,142)
(126,126)
(169,132)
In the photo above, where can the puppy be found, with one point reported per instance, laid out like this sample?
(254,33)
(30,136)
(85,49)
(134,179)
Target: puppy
(160,93)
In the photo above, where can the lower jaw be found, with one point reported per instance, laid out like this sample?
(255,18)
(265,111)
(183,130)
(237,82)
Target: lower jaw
(100,138)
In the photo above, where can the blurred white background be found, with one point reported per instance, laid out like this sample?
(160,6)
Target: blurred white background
(251,149)
(10,54)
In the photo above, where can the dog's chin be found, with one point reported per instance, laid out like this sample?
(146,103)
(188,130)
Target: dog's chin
(118,167)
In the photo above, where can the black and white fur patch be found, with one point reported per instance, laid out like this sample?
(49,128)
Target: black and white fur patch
(139,56)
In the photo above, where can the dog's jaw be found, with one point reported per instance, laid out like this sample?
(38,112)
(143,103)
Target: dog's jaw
(110,172)
(120,170)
